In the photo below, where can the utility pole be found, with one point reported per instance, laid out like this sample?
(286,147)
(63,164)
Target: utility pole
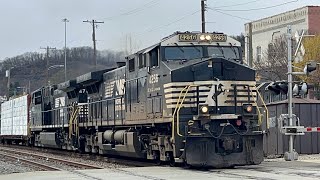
(93,23)
(47,57)
(65,20)
(203,16)
(29,92)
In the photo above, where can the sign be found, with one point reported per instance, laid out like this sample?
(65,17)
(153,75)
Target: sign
(219,37)
(188,37)
(202,37)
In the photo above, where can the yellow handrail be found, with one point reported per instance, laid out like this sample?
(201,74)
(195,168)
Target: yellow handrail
(265,106)
(259,113)
(72,125)
(179,105)
(178,118)
(175,110)
(70,122)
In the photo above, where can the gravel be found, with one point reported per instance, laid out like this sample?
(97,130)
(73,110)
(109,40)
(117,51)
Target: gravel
(303,157)
(9,166)
(309,157)
(85,159)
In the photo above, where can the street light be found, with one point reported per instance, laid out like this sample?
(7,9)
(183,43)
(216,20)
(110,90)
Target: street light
(8,75)
(65,20)
(53,67)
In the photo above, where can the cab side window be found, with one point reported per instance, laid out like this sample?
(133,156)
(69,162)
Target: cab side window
(131,64)
(142,61)
(154,57)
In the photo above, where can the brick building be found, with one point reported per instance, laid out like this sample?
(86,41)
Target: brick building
(265,30)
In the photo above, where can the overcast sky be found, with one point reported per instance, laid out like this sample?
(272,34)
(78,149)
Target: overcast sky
(28,24)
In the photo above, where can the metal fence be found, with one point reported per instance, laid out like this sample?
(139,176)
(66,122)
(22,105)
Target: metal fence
(308,111)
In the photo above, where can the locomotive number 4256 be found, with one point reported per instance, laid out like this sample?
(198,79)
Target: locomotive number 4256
(188,37)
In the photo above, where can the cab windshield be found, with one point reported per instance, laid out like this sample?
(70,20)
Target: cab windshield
(183,52)
(227,52)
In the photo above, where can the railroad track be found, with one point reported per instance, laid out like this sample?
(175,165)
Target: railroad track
(31,163)
(47,158)
(122,161)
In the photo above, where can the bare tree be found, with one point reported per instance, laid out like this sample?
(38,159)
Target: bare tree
(273,64)
(241,38)
(31,66)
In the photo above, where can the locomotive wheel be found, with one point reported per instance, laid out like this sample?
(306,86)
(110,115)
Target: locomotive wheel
(172,163)
(157,160)
(186,165)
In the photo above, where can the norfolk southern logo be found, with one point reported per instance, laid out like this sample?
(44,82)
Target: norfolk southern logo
(154,78)
(114,88)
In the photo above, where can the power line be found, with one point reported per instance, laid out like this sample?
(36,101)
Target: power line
(255,9)
(169,24)
(231,15)
(47,57)
(135,10)
(240,4)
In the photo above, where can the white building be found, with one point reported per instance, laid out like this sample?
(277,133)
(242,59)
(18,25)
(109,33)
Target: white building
(267,29)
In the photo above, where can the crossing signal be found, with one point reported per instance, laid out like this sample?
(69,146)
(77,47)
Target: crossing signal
(278,87)
(311,66)
(300,89)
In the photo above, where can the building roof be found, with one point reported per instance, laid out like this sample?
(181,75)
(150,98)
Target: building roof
(280,14)
(296,101)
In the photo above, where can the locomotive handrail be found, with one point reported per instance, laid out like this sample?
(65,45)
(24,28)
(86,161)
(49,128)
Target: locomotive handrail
(178,120)
(259,113)
(178,114)
(265,106)
(72,125)
(177,109)
(94,102)
(267,111)
(174,112)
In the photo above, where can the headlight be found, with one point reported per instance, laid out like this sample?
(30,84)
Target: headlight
(248,108)
(208,37)
(202,37)
(204,109)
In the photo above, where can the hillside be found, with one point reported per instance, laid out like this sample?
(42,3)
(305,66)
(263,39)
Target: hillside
(32,67)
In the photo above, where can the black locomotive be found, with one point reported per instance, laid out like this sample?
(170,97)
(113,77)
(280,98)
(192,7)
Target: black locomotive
(187,99)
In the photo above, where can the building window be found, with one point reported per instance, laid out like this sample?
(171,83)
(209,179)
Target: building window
(259,54)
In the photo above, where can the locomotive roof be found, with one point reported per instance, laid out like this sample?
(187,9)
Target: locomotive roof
(68,85)
(92,77)
(175,39)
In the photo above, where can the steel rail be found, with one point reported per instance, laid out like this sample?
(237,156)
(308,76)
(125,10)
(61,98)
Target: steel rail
(31,163)
(70,163)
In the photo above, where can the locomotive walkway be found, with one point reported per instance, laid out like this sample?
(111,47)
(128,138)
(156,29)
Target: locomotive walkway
(268,170)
